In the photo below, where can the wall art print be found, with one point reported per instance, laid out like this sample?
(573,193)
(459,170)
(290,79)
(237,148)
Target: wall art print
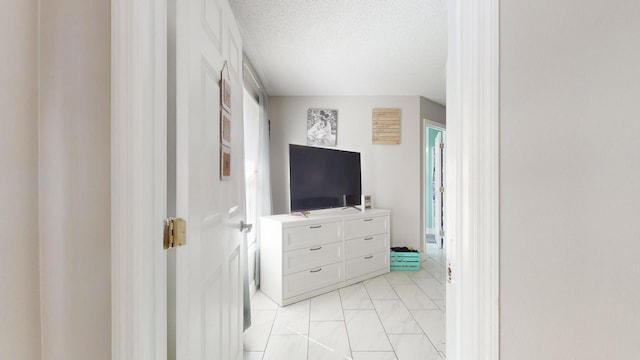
(225,128)
(225,162)
(322,127)
(225,123)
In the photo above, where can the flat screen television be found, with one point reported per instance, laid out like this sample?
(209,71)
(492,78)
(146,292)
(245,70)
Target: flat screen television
(321,178)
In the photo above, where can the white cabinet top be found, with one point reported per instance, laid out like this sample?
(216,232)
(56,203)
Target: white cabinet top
(323,216)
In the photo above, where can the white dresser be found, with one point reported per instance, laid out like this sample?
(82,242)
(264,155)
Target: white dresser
(302,257)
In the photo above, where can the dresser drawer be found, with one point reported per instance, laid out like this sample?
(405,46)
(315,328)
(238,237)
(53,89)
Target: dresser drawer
(301,237)
(366,226)
(366,264)
(366,245)
(309,280)
(303,259)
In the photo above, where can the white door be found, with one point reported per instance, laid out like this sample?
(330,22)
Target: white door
(438,208)
(208,295)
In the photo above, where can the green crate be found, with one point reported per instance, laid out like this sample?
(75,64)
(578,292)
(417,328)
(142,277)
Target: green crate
(405,261)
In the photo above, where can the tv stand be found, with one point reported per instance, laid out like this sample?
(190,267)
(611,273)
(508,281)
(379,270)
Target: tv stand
(302,257)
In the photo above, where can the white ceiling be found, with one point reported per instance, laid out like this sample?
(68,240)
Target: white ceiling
(346,47)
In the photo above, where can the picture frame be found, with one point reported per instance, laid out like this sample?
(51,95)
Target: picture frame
(225,128)
(225,123)
(225,162)
(225,88)
(322,127)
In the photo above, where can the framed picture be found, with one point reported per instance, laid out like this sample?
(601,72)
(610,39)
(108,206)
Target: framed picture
(225,162)
(225,128)
(225,89)
(322,127)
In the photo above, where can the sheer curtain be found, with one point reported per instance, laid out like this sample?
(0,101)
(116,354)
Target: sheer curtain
(264,178)
(258,186)
(257,177)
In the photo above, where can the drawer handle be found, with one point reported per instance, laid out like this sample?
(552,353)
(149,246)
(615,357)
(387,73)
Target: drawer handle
(315,227)
(315,271)
(370,219)
(314,249)
(368,238)
(368,257)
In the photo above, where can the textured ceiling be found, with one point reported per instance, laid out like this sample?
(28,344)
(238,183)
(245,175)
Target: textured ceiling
(346,47)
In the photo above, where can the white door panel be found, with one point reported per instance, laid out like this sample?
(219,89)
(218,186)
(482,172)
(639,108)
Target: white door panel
(209,273)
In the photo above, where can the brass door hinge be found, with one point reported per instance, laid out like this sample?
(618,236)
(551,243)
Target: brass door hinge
(441,233)
(175,232)
(441,189)
(441,145)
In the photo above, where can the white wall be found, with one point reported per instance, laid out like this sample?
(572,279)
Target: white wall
(74,167)
(390,173)
(433,111)
(569,179)
(19,284)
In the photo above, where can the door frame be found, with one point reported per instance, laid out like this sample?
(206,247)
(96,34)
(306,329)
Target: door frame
(472,163)
(138,179)
(138,168)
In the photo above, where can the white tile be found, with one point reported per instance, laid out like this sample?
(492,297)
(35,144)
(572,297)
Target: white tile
(355,297)
(433,323)
(395,317)
(326,307)
(436,263)
(432,266)
(419,274)
(413,297)
(434,289)
(441,277)
(365,331)
(413,347)
(442,304)
(260,301)
(252,355)
(398,278)
(439,259)
(292,319)
(377,355)
(328,341)
(290,347)
(379,288)
(433,250)
(256,336)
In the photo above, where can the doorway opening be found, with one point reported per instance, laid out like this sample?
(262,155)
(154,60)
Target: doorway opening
(251,120)
(433,202)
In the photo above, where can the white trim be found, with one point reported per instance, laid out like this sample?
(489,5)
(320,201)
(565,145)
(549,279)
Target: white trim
(433,124)
(138,180)
(473,180)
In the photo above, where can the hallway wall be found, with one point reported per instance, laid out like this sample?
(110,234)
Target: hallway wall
(569,179)
(19,283)
(75,194)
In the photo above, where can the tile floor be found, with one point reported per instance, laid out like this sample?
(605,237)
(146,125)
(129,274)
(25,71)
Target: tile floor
(396,316)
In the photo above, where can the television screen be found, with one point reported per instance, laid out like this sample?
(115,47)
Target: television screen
(321,178)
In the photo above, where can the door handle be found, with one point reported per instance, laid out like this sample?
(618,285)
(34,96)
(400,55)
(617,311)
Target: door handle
(244,227)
